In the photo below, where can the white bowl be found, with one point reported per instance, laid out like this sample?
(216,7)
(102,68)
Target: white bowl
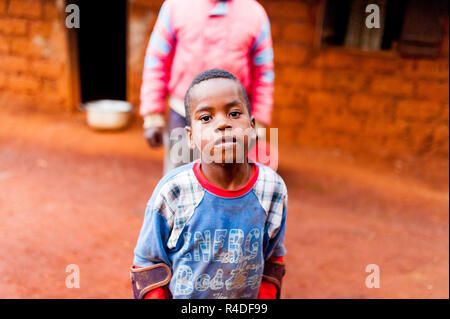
(108,114)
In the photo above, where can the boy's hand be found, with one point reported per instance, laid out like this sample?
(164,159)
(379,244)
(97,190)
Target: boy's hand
(154,136)
(274,270)
(267,290)
(158,293)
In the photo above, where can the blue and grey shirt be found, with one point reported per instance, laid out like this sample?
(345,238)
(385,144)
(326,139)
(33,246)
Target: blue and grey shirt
(215,241)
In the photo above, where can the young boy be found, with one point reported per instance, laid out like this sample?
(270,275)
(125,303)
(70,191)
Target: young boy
(214,228)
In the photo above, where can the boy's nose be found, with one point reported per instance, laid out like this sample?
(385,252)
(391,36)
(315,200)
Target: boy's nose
(222,123)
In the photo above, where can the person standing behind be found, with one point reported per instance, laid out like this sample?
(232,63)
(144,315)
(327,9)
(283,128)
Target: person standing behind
(191,36)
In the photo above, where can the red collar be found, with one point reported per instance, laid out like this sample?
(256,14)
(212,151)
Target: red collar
(225,192)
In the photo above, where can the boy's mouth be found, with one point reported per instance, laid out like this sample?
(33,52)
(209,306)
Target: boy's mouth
(225,141)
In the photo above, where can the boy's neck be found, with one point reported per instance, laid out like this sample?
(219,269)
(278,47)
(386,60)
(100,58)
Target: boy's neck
(228,176)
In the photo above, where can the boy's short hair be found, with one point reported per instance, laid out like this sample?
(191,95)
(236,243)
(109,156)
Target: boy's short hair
(208,75)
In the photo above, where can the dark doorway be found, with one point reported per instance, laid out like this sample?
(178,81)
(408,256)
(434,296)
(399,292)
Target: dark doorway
(101,42)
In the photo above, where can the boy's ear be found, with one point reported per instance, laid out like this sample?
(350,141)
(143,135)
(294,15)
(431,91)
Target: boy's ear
(252,121)
(253,126)
(188,130)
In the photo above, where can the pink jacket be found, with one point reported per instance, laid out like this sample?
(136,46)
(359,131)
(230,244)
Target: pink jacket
(191,36)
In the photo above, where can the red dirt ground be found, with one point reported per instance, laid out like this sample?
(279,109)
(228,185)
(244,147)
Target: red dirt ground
(69,195)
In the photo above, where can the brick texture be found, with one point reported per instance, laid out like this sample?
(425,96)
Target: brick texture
(25,8)
(2,7)
(13,26)
(33,53)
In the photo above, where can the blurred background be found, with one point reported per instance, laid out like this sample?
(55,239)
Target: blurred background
(363,139)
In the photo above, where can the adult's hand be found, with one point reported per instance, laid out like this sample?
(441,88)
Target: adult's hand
(154,136)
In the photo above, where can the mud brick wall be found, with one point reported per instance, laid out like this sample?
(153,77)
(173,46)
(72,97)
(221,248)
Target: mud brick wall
(373,102)
(33,55)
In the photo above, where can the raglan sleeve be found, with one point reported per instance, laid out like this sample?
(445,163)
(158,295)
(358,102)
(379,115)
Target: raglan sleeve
(152,269)
(151,247)
(279,249)
(277,226)
(274,267)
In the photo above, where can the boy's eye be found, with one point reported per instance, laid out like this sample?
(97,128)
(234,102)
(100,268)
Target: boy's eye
(235,114)
(205,118)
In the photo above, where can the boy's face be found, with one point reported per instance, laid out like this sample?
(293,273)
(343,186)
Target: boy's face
(221,126)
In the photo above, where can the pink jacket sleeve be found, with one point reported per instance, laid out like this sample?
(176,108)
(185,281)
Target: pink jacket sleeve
(157,64)
(263,75)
